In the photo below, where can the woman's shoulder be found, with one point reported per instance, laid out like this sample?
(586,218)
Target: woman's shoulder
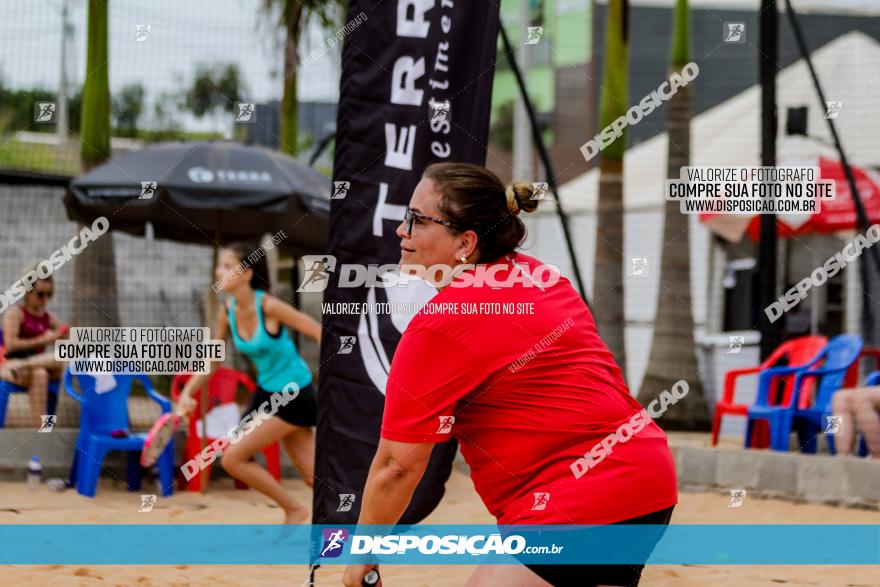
(20,312)
(270,303)
(15,313)
(267,300)
(444,314)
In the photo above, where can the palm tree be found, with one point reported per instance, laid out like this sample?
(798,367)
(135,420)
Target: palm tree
(293,16)
(673,353)
(95,118)
(94,276)
(608,289)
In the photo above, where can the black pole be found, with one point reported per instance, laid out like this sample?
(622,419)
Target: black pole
(322,145)
(312,568)
(767,64)
(294,281)
(545,159)
(861,215)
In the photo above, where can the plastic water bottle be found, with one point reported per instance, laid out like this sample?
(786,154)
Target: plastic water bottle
(35,473)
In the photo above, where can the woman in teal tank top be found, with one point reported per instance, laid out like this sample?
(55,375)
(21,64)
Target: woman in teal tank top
(258,323)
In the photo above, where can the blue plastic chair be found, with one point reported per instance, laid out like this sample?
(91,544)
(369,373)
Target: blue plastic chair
(830,367)
(810,417)
(8,388)
(103,413)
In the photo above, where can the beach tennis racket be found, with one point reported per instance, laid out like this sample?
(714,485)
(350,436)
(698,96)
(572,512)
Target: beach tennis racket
(158,438)
(370,579)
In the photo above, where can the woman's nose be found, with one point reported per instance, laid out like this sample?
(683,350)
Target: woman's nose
(401,230)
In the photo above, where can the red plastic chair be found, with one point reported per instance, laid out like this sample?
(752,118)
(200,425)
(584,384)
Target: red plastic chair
(798,351)
(221,390)
(852,376)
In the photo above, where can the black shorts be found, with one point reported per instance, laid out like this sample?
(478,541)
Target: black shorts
(300,411)
(592,575)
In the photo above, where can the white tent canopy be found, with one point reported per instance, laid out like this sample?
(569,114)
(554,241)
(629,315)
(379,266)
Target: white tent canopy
(800,6)
(726,135)
(730,133)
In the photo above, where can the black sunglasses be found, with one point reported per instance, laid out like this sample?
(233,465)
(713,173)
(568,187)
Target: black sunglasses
(43,295)
(410,217)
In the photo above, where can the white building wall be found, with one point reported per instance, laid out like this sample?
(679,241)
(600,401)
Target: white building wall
(643,230)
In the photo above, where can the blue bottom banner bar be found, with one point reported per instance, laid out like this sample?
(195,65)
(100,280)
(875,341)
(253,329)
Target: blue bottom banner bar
(149,544)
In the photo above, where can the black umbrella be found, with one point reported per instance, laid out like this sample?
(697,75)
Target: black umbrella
(207,193)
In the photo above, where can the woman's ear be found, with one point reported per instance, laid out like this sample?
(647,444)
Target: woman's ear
(469,242)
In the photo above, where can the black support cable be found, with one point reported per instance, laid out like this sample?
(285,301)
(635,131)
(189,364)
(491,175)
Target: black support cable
(545,159)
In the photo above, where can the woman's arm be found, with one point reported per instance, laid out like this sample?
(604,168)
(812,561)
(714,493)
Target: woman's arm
(396,471)
(11,340)
(185,402)
(290,316)
(46,359)
(54,322)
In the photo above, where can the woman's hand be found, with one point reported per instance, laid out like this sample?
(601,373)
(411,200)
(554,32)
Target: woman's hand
(354,575)
(186,403)
(8,370)
(50,336)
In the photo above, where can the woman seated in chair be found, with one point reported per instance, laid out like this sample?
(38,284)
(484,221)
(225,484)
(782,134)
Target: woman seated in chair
(857,408)
(29,330)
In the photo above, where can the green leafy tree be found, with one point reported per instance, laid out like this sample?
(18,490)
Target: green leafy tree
(214,88)
(127,108)
(501,129)
(292,16)
(74,112)
(17,109)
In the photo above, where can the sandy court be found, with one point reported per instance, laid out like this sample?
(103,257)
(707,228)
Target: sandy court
(223,504)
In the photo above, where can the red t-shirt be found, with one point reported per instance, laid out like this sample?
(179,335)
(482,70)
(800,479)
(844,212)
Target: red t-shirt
(530,394)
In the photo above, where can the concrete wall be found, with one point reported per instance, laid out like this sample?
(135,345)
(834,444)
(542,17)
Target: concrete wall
(764,474)
(815,478)
(792,475)
(160,282)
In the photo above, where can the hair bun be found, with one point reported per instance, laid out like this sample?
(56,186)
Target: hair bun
(513,205)
(520,196)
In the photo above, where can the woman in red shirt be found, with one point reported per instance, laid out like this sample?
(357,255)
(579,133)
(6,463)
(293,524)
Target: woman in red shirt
(519,375)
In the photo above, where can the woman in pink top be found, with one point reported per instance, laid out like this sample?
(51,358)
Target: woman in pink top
(29,331)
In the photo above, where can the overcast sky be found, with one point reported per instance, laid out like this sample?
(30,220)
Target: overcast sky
(182,35)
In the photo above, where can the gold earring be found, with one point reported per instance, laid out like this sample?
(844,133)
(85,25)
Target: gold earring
(463,259)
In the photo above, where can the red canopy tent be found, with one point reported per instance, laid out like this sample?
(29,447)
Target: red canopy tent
(835,215)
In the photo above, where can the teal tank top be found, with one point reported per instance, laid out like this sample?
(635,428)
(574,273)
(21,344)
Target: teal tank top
(275,357)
